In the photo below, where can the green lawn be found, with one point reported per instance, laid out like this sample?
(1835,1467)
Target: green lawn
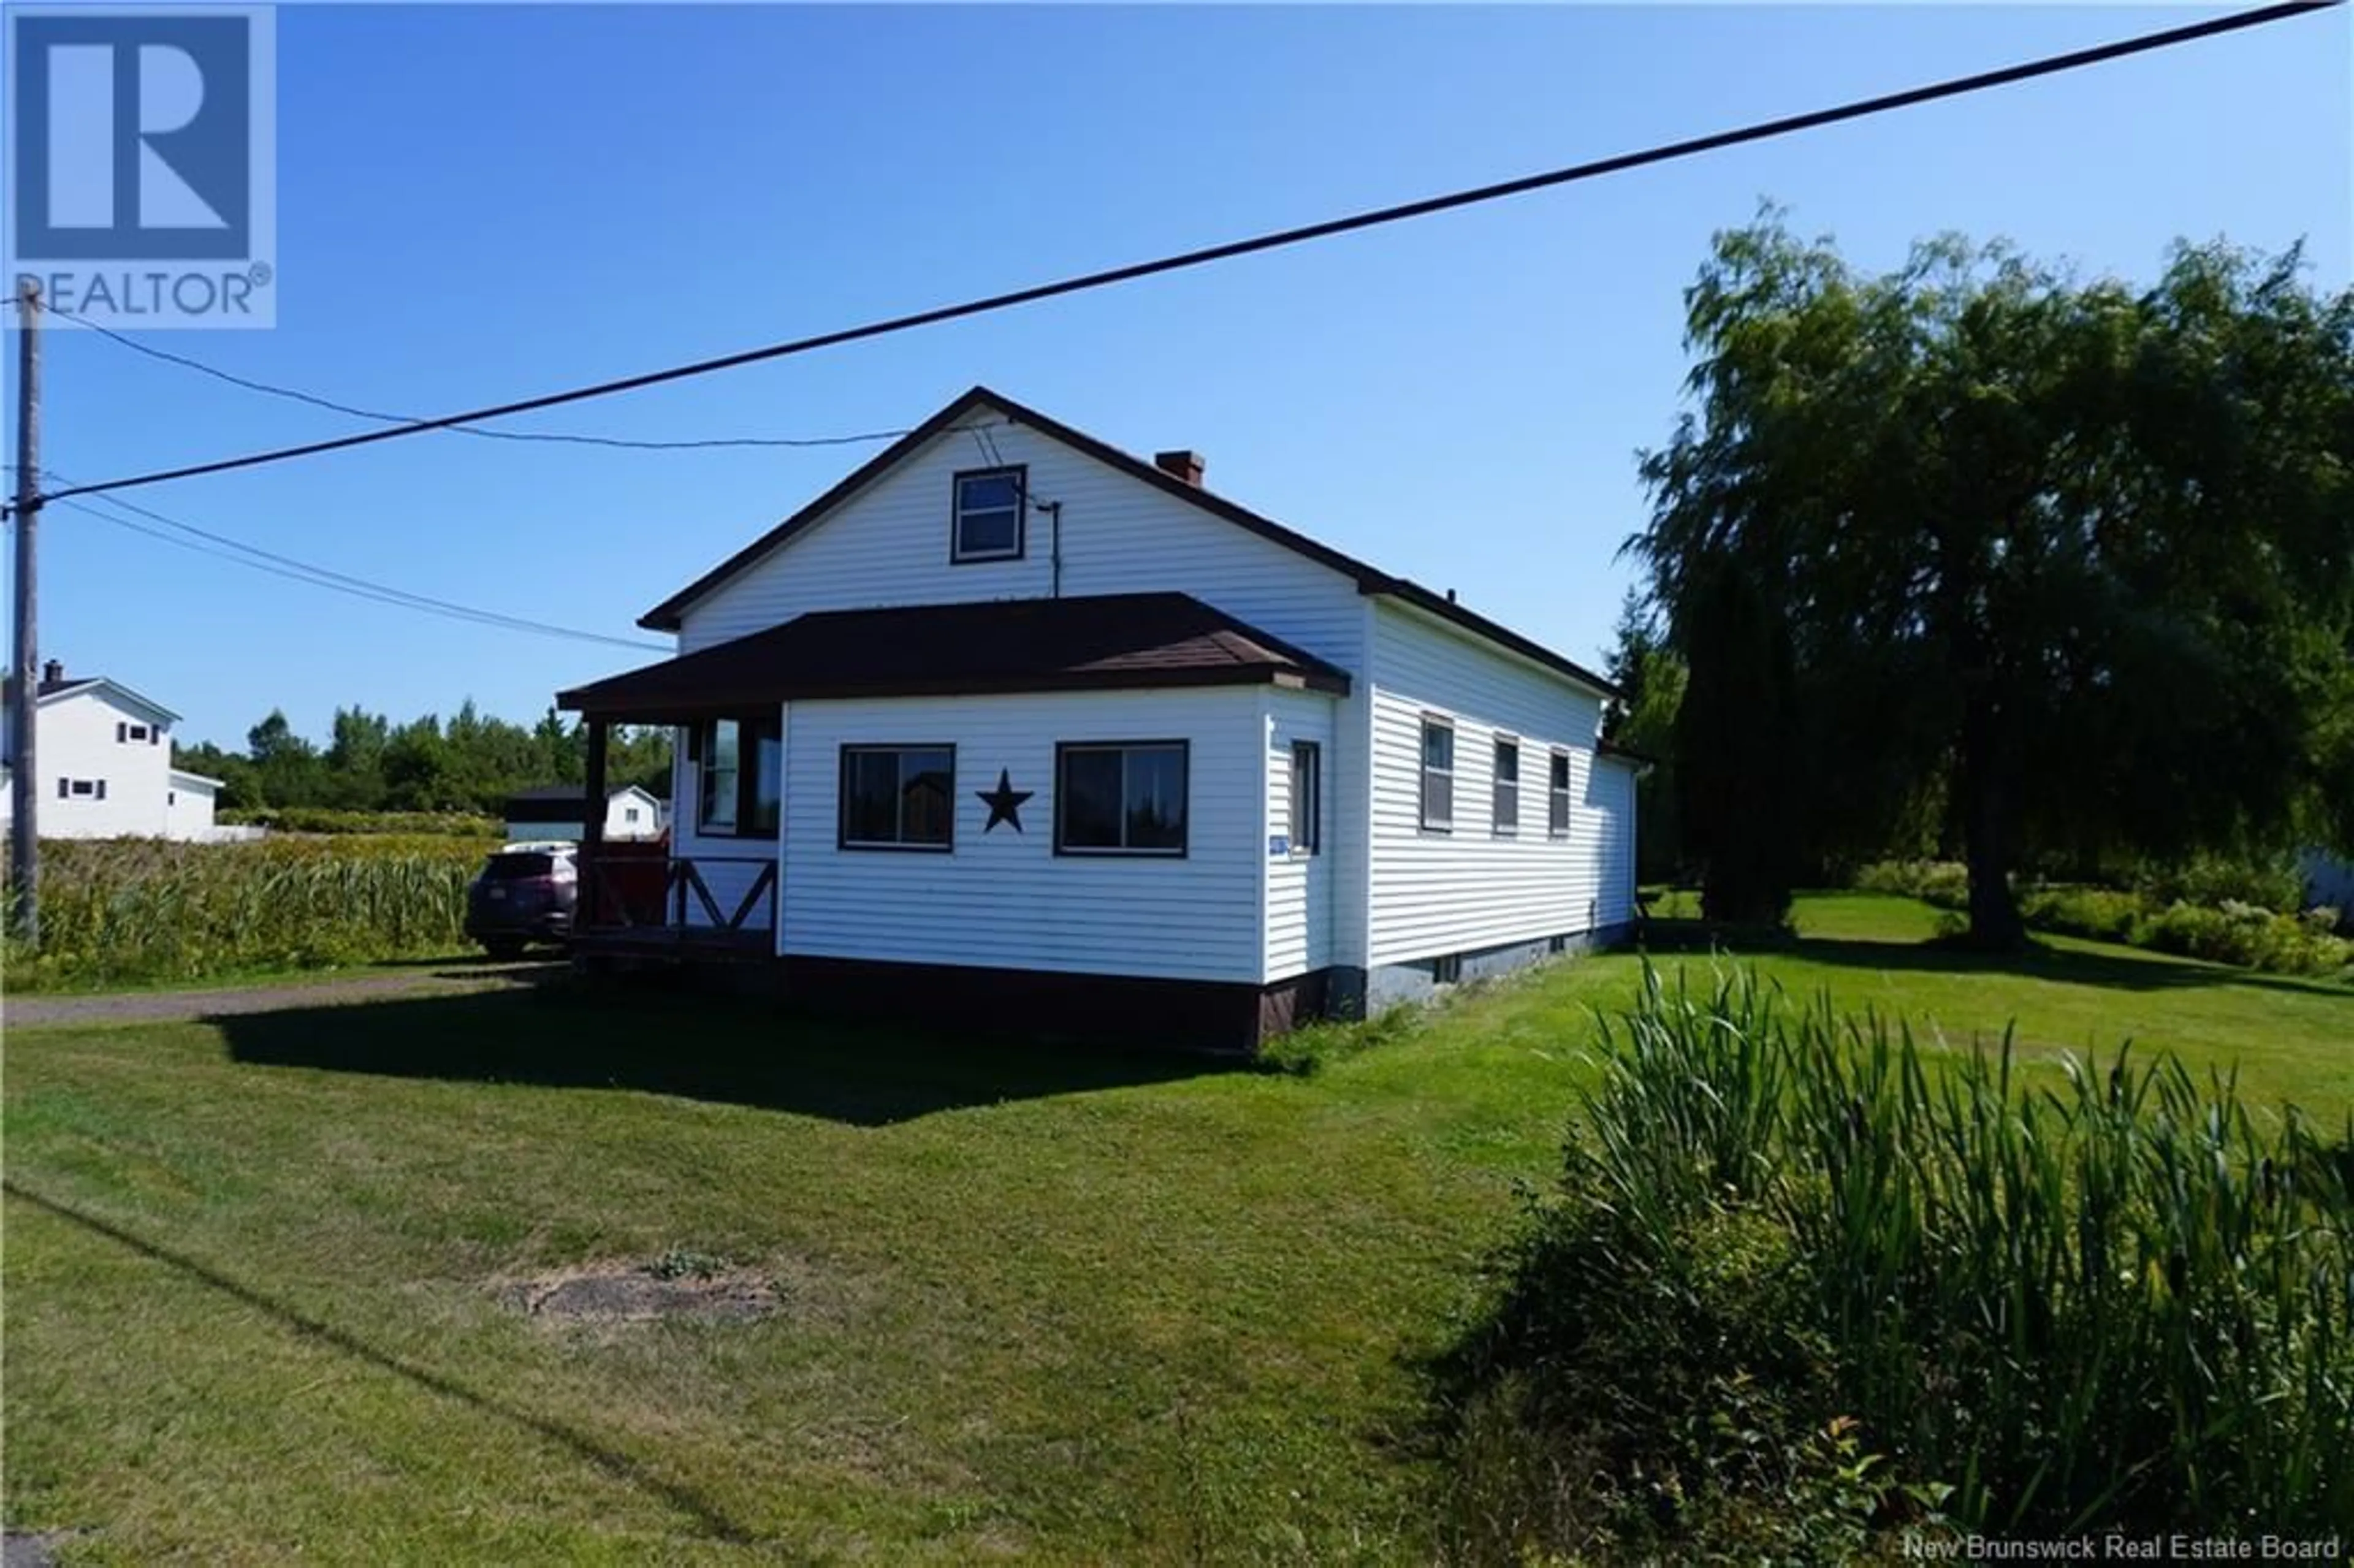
(1039,1304)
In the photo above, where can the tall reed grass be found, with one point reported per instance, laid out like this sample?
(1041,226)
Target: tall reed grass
(2054,1299)
(135,911)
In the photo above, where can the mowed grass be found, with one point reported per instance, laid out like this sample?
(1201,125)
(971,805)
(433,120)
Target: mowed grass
(1046,1304)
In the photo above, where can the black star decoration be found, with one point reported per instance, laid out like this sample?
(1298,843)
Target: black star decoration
(1004,802)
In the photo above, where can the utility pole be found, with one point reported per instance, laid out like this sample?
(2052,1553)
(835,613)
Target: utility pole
(24,825)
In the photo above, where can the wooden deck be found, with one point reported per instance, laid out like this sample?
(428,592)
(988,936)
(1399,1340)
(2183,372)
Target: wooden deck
(640,910)
(676,943)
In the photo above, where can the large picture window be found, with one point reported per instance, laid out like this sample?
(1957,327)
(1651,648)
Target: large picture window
(1120,798)
(898,796)
(988,524)
(741,767)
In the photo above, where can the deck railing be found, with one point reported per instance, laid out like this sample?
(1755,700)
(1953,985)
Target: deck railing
(639,892)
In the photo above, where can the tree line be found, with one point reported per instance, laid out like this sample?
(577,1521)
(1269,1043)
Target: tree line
(466,763)
(1981,557)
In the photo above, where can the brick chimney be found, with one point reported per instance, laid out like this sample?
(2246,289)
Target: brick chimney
(1184,464)
(53,675)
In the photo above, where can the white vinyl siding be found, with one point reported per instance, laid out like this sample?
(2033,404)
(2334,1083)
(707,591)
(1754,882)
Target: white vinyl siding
(1437,893)
(1300,888)
(78,741)
(888,544)
(1611,798)
(1003,899)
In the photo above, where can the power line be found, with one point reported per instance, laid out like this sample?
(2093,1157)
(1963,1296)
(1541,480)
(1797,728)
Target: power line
(258,559)
(566,437)
(1763,129)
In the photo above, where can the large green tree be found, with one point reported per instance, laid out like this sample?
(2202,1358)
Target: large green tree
(2076,556)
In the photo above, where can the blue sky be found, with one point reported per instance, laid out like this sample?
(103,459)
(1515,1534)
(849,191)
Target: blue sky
(479,203)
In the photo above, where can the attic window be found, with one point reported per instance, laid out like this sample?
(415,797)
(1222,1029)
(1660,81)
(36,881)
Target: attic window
(131,732)
(988,522)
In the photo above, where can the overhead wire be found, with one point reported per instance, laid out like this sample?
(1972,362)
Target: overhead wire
(1979,81)
(238,552)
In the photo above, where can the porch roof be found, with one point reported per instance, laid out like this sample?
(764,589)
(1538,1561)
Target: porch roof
(1106,641)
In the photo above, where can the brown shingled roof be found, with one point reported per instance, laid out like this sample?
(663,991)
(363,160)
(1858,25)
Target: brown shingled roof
(1105,641)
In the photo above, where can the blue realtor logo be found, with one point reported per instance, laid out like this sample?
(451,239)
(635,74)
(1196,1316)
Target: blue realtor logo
(141,163)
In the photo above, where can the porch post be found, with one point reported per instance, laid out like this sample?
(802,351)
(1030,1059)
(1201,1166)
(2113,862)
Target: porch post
(592,826)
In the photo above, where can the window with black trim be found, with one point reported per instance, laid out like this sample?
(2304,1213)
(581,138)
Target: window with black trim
(741,777)
(1120,798)
(1307,797)
(81,789)
(898,798)
(1557,797)
(126,733)
(1507,813)
(988,524)
(1437,775)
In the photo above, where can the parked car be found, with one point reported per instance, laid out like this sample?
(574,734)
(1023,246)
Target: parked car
(524,894)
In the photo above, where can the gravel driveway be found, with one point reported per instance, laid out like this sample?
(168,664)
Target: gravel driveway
(172,1006)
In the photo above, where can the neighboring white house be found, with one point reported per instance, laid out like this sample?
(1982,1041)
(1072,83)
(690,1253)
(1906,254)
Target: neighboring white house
(105,756)
(560,812)
(1013,723)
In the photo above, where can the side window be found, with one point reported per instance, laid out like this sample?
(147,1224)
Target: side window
(1506,815)
(1307,797)
(1437,775)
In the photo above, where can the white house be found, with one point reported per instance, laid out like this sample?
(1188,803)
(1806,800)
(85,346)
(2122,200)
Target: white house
(105,756)
(558,811)
(1011,722)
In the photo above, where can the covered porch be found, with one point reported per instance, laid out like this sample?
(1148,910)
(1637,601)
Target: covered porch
(681,898)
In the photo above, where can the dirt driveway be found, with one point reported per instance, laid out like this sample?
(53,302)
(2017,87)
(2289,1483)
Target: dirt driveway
(163,1006)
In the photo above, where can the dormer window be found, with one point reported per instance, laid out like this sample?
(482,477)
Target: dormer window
(988,522)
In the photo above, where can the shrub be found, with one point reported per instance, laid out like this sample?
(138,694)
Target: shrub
(129,910)
(1944,883)
(2229,930)
(2272,884)
(1784,1245)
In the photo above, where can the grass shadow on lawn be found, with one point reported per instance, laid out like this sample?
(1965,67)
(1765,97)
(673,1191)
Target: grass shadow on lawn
(734,1050)
(2114,970)
(621,1467)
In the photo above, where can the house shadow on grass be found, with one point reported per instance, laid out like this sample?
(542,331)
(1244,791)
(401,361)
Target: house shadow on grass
(726,1049)
(2114,970)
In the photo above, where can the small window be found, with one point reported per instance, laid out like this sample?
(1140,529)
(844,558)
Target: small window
(1507,816)
(723,764)
(131,732)
(1448,969)
(989,507)
(1557,797)
(86,788)
(742,785)
(898,796)
(1437,775)
(1120,798)
(1307,797)
(629,813)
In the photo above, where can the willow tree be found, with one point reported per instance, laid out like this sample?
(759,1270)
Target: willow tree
(2076,556)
